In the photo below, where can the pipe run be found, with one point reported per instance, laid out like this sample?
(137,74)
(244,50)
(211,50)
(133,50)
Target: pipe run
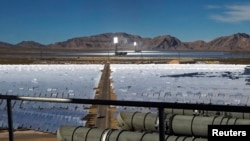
(241,115)
(186,125)
(74,133)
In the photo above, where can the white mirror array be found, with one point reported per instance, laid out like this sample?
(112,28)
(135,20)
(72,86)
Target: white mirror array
(182,83)
(56,81)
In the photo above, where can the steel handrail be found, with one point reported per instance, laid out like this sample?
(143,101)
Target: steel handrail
(159,105)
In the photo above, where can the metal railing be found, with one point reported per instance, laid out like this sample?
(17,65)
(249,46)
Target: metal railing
(159,105)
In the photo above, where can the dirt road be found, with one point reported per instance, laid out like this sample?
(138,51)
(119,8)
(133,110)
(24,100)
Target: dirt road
(102,111)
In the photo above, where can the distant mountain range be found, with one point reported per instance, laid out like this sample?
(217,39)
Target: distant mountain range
(235,42)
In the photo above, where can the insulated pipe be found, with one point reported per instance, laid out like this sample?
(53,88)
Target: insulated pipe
(179,111)
(138,121)
(239,115)
(207,113)
(176,124)
(73,133)
(198,126)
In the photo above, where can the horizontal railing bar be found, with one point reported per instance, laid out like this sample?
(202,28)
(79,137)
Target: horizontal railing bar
(198,106)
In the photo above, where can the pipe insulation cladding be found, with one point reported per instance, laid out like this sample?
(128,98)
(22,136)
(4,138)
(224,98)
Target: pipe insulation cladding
(187,125)
(74,133)
(240,115)
(138,121)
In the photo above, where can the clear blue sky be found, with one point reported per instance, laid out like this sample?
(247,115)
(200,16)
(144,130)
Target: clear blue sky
(50,21)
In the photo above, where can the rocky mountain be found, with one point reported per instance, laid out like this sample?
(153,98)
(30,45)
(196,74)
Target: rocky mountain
(126,41)
(30,44)
(167,42)
(101,41)
(5,45)
(235,42)
(196,45)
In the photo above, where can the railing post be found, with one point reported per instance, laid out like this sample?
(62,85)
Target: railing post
(10,121)
(161,124)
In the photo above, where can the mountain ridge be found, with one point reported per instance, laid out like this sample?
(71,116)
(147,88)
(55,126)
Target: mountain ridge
(234,42)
